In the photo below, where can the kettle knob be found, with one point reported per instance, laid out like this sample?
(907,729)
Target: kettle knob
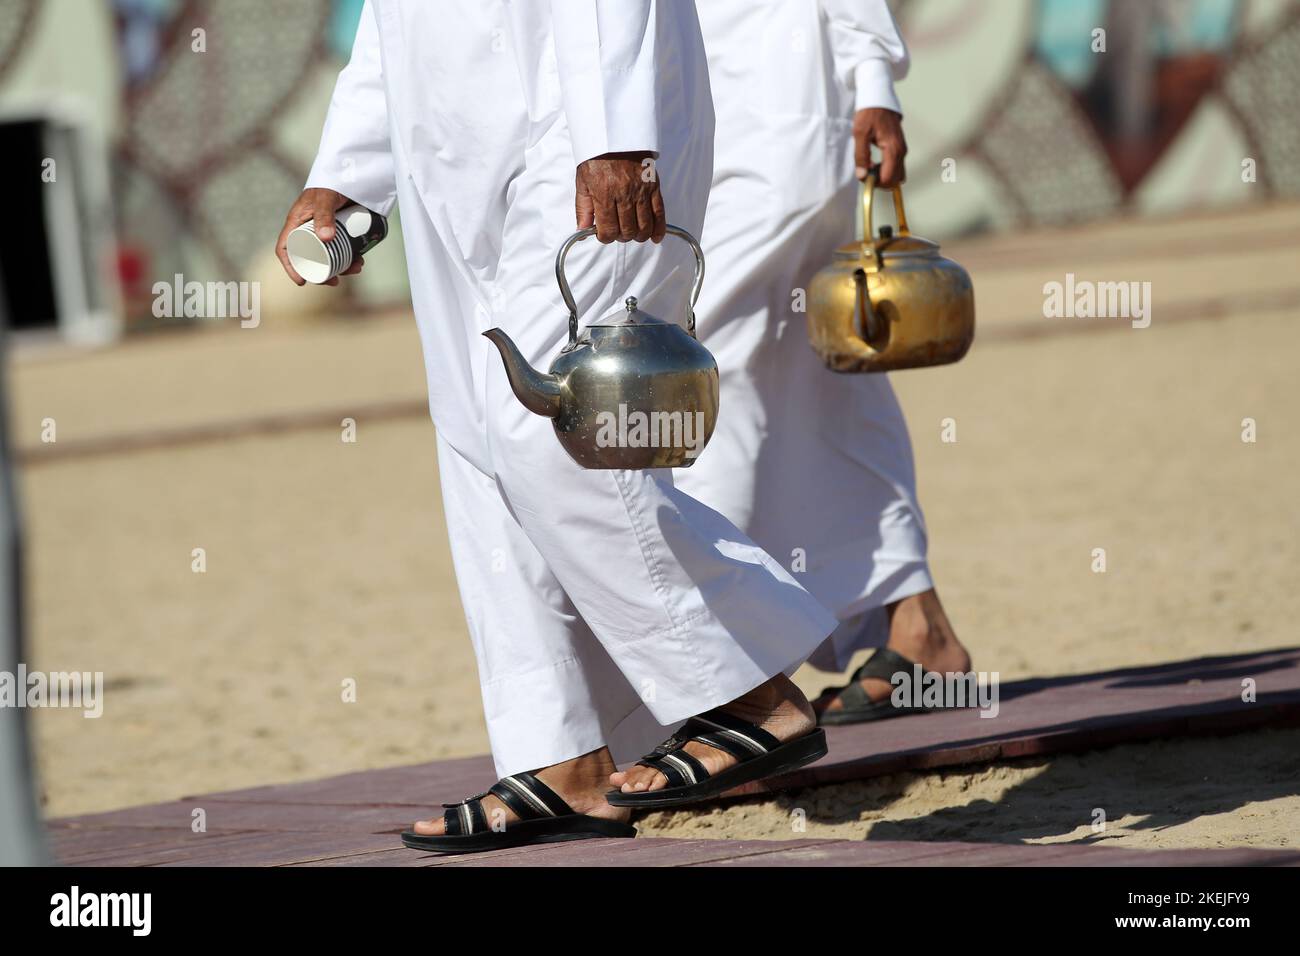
(886,232)
(630,303)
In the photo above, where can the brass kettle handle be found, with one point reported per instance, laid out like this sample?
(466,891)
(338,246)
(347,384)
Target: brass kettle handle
(567,293)
(868,321)
(869,246)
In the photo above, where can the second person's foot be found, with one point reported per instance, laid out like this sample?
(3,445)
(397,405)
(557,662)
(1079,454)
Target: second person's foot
(920,631)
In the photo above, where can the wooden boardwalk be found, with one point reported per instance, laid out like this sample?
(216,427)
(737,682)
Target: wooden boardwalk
(353,819)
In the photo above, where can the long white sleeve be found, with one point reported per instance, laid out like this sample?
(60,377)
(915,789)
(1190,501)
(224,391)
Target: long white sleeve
(869,51)
(607,57)
(355,156)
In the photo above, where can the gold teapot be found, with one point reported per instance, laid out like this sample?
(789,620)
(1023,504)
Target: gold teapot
(890,301)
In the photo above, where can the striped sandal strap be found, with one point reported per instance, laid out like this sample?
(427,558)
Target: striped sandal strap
(529,798)
(466,817)
(523,793)
(738,737)
(679,767)
(716,729)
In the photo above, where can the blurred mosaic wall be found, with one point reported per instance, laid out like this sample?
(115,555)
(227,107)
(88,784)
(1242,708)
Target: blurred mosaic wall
(1042,129)
(1039,128)
(208,147)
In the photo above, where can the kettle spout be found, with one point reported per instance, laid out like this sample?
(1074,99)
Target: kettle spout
(539,392)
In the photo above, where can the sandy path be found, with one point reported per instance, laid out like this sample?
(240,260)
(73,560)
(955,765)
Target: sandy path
(327,561)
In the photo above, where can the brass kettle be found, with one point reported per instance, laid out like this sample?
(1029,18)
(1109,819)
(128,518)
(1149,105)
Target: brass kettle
(890,301)
(633,391)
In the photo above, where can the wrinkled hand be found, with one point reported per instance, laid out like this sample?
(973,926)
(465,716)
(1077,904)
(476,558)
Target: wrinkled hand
(319,205)
(884,128)
(619,194)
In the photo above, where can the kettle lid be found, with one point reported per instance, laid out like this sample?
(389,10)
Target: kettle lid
(890,246)
(630,314)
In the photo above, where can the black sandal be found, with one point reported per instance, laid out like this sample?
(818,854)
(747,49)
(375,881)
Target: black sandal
(544,817)
(760,755)
(858,707)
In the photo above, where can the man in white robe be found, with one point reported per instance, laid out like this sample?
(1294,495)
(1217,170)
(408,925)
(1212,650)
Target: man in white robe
(815,466)
(601,604)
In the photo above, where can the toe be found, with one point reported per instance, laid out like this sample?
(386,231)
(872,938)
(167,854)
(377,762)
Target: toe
(877,689)
(827,700)
(618,778)
(433,827)
(643,779)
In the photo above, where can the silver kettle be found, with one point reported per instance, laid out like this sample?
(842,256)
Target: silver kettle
(633,391)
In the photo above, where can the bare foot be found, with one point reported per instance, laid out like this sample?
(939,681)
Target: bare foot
(777,706)
(920,631)
(582,782)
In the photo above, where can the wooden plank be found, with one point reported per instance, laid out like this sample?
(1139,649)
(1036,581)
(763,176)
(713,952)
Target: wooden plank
(283,817)
(198,849)
(643,851)
(846,853)
(397,856)
(283,849)
(342,821)
(658,851)
(238,849)
(899,853)
(426,785)
(1218,857)
(73,845)
(994,854)
(379,849)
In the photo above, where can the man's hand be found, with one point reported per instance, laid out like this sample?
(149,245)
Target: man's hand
(619,194)
(885,129)
(319,205)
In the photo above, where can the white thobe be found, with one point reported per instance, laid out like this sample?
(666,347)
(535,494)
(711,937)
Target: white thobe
(815,466)
(601,604)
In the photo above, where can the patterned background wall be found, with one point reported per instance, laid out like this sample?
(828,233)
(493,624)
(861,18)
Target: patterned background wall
(209,149)
(1185,91)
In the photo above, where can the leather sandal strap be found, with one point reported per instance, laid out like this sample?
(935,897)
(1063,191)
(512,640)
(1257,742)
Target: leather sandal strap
(465,817)
(754,739)
(478,818)
(854,697)
(452,822)
(528,797)
(679,767)
(674,776)
(716,729)
(674,743)
(883,665)
(523,793)
(691,768)
(721,741)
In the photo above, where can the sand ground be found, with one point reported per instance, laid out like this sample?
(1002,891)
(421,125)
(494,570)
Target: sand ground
(327,561)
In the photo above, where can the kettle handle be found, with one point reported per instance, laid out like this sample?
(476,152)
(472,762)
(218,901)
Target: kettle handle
(868,239)
(591,231)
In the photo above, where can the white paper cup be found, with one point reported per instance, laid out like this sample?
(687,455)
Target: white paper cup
(315,260)
(356,229)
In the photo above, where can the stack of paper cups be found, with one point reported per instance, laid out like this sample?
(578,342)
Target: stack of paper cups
(356,230)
